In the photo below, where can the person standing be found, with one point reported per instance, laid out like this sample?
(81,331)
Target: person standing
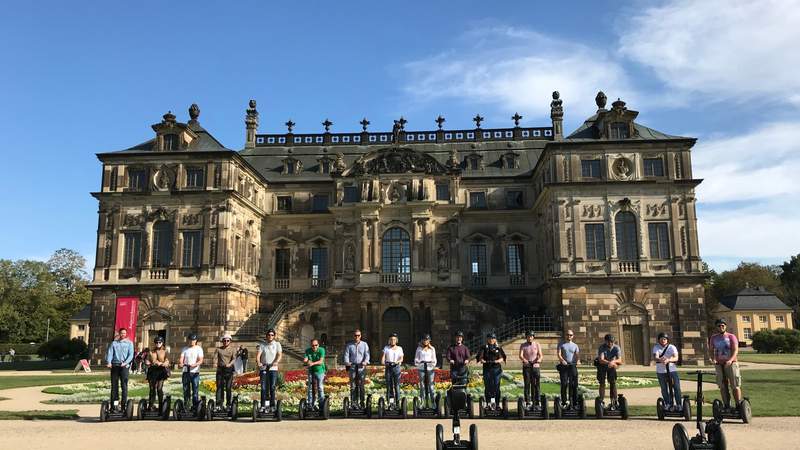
(243,355)
(609,357)
(191,360)
(269,355)
(12,353)
(666,355)
(314,358)
(224,358)
(425,360)
(157,372)
(568,355)
(458,355)
(491,355)
(724,349)
(118,359)
(391,359)
(530,353)
(356,359)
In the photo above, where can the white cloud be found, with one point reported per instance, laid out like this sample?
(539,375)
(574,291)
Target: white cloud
(728,49)
(759,164)
(518,70)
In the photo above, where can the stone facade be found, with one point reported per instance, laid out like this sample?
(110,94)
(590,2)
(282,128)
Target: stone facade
(406,231)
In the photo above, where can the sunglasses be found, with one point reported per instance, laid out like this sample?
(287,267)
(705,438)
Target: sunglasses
(356,335)
(315,345)
(226,340)
(570,335)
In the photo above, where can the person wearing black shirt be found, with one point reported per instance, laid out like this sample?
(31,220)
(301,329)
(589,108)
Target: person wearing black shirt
(491,355)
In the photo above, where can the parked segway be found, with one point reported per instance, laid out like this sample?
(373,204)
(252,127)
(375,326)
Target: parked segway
(574,410)
(742,411)
(146,412)
(267,411)
(230,413)
(709,435)
(684,413)
(617,408)
(107,413)
(427,407)
(460,381)
(536,409)
(179,411)
(459,401)
(357,410)
(388,407)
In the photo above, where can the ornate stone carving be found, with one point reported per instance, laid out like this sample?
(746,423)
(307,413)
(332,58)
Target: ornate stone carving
(601,100)
(164,178)
(350,257)
(396,160)
(592,211)
(622,168)
(191,219)
(656,210)
(339,165)
(133,220)
(442,258)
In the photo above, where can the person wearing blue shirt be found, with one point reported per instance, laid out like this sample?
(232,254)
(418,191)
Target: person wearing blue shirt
(356,359)
(609,357)
(118,359)
(569,357)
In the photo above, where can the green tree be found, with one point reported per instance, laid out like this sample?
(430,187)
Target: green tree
(790,279)
(731,281)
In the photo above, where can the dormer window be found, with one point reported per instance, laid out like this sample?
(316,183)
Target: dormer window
(474,162)
(325,167)
(619,130)
(509,161)
(289,168)
(292,166)
(171,142)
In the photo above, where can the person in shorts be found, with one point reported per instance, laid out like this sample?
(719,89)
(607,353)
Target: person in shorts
(491,356)
(392,358)
(666,355)
(314,358)
(119,358)
(356,359)
(191,360)
(224,358)
(609,357)
(157,372)
(530,353)
(268,356)
(724,349)
(568,355)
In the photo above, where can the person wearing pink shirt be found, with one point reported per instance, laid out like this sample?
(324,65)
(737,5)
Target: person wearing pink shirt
(724,348)
(531,355)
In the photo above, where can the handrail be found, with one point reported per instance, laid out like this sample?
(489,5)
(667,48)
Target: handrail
(515,328)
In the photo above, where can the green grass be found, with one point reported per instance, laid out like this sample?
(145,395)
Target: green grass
(67,414)
(10,382)
(770,358)
(38,365)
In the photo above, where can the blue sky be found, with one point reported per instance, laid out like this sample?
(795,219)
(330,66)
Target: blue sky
(84,77)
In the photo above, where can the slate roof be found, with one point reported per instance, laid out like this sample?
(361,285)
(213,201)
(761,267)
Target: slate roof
(754,299)
(588,132)
(205,142)
(83,314)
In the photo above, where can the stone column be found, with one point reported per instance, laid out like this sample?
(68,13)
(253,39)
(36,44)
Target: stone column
(365,257)
(414,246)
(376,249)
(425,252)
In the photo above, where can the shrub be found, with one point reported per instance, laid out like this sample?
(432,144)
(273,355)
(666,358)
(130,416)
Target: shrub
(20,348)
(63,347)
(777,341)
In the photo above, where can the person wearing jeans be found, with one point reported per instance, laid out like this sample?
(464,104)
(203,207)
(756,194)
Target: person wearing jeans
(268,356)
(530,353)
(568,355)
(392,358)
(425,360)
(224,358)
(314,358)
(491,355)
(666,355)
(191,360)
(118,359)
(356,358)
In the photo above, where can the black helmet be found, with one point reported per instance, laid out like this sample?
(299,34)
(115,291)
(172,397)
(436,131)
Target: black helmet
(663,335)
(460,333)
(426,337)
(491,335)
(720,321)
(609,338)
(393,335)
(158,339)
(192,336)
(530,333)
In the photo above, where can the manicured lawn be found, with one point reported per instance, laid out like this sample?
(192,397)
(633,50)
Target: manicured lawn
(38,365)
(10,382)
(68,414)
(770,358)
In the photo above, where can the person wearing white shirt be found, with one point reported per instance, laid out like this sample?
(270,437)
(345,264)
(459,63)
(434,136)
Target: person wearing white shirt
(666,355)
(191,360)
(425,360)
(391,359)
(268,356)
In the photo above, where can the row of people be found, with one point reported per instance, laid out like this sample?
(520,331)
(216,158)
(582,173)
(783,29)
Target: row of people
(723,352)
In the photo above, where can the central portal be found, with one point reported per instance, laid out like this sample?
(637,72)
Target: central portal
(397,320)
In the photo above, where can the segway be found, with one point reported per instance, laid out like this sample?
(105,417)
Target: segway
(314,410)
(267,411)
(459,401)
(460,380)
(684,413)
(357,410)
(430,408)
(488,410)
(533,410)
(107,413)
(709,435)
(742,411)
(179,411)
(388,407)
(576,409)
(617,408)
(147,412)
(214,412)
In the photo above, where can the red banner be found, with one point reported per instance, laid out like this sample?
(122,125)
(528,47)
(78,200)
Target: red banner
(127,313)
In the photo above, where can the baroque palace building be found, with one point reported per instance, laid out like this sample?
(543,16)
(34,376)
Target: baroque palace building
(405,231)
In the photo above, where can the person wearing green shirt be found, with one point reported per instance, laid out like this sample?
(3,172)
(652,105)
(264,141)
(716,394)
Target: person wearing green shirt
(314,358)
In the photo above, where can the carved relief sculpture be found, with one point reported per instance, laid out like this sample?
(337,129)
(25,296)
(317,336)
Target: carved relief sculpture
(350,258)
(442,258)
(622,168)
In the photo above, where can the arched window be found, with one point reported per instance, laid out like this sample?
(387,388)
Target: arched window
(627,237)
(162,244)
(396,251)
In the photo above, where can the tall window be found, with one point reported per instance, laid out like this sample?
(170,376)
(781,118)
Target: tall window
(396,251)
(477,259)
(477,200)
(319,263)
(619,130)
(351,194)
(319,203)
(290,167)
(137,179)
(133,250)
(514,255)
(192,248)
(194,177)
(171,142)
(625,227)
(590,168)
(282,263)
(514,199)
(325,166)
(162,244)
(112,180)
(748,333)
(510,162)
(659,240)
(443,192)
(653,167)
(284,203)
(474,163)
(595,241)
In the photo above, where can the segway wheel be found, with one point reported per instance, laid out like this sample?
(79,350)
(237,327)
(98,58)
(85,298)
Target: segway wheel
(278,411)
(403,408)
(326,408)
(129,410)
(210,409)
(438,405)
(447,406)
(142,406)
(687,408)
(680,438)
(255,410)
(439,437)
(543,403)
(381,406)
(598,408)
(103,411)
(505,407)
(716,409)
(582,407)
(473,437)
(557,407)
(235,408)
(470,412)
(345,407)
(717,437)
(369,406)
(520,408)
(623,406)
(301,409)
(178,410)
(415,407)
(660,408)
(166,407)
(746,411)
(480,408)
